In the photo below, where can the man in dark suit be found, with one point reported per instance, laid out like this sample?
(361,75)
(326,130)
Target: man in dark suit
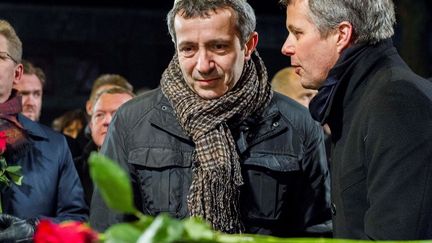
(379,113)
(50,187)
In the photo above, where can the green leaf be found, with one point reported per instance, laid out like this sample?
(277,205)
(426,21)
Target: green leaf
(127,232)
(3,163)
(144,222)
(196,229)
(164,229)
(122,233)
(14,172)
(14,169)
(113,183)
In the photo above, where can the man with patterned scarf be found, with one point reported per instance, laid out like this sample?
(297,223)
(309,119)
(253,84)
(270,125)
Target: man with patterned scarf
(50,187)
(214,141)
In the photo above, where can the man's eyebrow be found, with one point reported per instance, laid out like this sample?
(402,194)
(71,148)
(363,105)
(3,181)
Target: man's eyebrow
(293,28)
(186,43)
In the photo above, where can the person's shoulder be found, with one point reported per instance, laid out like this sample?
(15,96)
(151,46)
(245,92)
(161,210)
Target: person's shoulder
(402,82)
(290,108)
(142,102)
(40,130)
(53,136)
(296,115)
(136,110)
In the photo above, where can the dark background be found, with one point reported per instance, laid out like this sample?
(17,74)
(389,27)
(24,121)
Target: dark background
(76,41)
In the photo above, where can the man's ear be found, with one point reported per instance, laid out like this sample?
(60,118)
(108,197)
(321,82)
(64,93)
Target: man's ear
(345,34)
(89,107)
(251,45)
(90,124)
(18,72)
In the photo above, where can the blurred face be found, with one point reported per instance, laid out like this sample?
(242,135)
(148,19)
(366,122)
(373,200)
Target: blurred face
(295,91)
(10,72)
(30,88)
(312,56)
(89,103)
(210,53)
(103,112)
(73,129)
(305,96)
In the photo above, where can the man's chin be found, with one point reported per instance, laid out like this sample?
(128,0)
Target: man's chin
(311,84)
(31,116)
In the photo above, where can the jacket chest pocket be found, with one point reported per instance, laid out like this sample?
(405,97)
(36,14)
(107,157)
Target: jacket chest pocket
(163,177)
(271,188)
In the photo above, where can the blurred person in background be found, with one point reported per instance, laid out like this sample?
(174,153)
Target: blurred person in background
(30,87)
(75,123)
(287,82)
(103,82)
(70,123)
(106,103)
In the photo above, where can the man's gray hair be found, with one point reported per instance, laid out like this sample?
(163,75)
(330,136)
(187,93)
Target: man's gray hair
(14,45)
(245,19)
(372,20)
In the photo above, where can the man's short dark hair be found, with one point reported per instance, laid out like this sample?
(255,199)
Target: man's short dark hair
(31,69)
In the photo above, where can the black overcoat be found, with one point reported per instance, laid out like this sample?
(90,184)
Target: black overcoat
(381,122)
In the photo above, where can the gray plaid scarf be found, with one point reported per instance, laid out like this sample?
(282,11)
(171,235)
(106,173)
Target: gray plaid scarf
(214,193)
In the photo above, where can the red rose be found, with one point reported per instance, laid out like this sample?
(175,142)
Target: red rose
(3,139)
(73,232)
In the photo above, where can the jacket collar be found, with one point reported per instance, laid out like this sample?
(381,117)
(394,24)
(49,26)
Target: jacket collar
(165,118)
(261,127)
(32,128)
(349,73)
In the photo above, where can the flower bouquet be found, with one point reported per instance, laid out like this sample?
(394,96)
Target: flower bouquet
(8,173)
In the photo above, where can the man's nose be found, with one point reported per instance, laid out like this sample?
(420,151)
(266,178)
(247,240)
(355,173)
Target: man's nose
(205,63)
(107,119)
(288,48)
(29,100)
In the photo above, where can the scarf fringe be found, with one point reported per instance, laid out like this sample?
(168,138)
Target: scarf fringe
(221,211)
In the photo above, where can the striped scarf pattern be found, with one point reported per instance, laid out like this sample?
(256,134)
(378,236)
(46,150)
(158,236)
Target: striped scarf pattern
(216,176)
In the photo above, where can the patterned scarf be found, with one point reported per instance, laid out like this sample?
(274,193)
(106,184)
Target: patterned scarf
(216,180)
(16,142)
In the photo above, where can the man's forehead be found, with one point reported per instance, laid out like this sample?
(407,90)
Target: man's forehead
(298,15)
(30,78)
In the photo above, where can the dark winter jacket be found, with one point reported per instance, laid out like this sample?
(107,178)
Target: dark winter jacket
(286,180)
(82,167)
(50,186)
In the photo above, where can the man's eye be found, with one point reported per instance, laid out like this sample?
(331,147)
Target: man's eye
(297,34)
(99,115)
(220,48)
(187,51)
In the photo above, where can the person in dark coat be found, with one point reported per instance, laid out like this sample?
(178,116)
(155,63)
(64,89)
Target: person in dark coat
(214,141)
(379,113)
(50,187)
(104,107)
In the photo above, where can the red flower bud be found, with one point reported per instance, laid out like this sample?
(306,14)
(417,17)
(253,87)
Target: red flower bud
(3,139)
(66,232)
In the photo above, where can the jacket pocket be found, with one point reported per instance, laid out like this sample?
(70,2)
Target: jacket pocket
(163,177)
(270,192)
